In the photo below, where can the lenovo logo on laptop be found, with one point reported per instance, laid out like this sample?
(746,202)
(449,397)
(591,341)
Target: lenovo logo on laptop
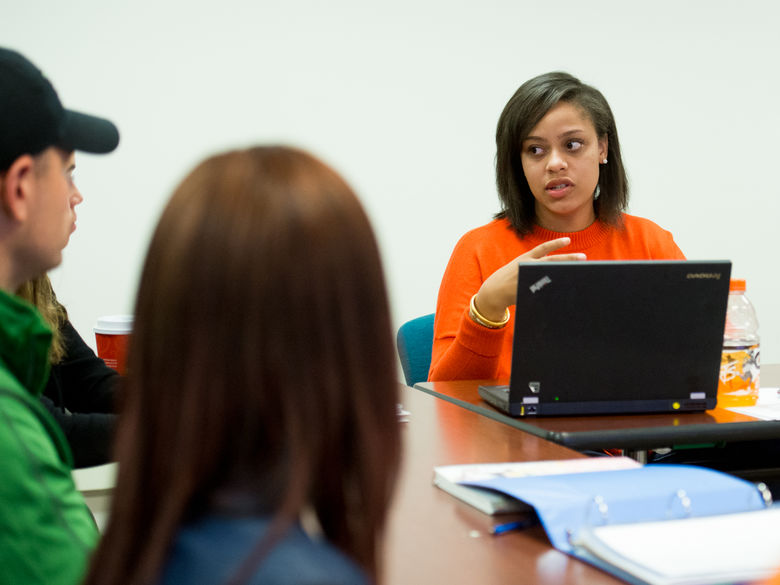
(711,275)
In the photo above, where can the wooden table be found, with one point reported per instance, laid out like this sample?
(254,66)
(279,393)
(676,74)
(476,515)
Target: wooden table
(435,538)
(632,432)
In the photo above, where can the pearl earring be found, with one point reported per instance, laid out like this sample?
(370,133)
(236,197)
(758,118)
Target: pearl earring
(604,161)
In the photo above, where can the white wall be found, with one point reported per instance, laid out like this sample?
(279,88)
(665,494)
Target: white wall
(403,99)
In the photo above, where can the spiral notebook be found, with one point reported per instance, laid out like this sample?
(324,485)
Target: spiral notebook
(615,337)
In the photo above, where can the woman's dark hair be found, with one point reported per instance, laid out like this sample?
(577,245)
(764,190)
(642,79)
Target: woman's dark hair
(261,364)
(521,114)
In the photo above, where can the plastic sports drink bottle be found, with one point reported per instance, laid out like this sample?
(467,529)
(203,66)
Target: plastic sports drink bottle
(740,362)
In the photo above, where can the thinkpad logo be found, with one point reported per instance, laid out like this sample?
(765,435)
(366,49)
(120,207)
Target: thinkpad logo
(537,286)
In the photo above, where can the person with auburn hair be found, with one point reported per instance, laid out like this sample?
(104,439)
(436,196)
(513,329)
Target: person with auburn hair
(261,393)
(562,186)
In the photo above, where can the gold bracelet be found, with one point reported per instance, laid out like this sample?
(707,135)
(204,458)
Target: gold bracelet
(478,318)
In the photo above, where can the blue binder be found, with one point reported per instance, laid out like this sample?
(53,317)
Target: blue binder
(567,504)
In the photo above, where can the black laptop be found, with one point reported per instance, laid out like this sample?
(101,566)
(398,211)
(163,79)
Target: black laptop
(615,337)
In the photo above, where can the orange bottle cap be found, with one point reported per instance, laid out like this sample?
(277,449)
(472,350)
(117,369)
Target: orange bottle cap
(737,284)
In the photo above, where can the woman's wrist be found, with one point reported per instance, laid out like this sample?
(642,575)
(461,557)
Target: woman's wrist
(481,319)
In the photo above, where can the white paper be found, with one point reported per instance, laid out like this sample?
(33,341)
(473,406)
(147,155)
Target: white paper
(694,551)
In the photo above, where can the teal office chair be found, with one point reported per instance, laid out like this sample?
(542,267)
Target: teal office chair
(415,342)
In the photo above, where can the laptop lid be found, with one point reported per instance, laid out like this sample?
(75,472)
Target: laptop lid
(603,337)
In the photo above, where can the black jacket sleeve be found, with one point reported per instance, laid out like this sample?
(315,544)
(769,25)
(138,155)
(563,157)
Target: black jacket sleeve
(90,436)
(80,395)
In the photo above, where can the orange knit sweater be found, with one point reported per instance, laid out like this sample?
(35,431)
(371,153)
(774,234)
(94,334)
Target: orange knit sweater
(465,350)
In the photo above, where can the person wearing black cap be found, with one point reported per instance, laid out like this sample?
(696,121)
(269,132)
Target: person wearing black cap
(46,530)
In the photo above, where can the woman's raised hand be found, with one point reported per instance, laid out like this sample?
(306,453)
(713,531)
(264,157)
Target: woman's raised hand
(499,290)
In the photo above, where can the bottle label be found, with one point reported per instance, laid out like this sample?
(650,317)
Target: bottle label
(739,376)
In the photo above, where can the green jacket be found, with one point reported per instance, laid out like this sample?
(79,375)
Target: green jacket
(46,530)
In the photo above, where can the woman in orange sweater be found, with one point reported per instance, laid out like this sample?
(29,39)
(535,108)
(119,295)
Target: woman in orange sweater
(563,187)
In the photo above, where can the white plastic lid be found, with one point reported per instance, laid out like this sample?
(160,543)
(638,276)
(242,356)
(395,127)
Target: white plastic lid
(114,324)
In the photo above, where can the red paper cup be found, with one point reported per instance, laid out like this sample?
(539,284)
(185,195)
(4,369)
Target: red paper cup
(111,335)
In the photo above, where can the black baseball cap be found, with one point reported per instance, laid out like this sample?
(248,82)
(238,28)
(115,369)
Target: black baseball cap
(32,117)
